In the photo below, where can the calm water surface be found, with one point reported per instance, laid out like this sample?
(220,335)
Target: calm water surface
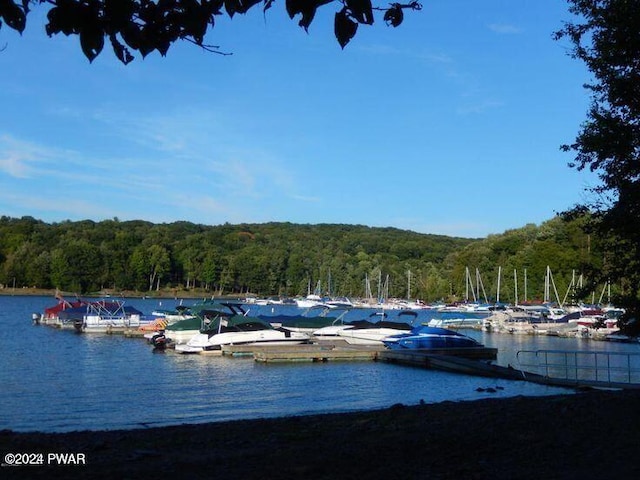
(56,381)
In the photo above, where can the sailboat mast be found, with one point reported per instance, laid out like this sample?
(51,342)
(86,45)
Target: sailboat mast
(467,281)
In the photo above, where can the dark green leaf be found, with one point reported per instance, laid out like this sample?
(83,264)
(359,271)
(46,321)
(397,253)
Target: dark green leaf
(131,35)
(361,10)
(344,28)
(307,17)
(117,13)
(13,15)
(121,51)
(294,7)
(65,17)
(92,42)
(232,6)
(394,15)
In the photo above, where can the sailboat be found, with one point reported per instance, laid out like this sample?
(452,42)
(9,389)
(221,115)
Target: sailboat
(312,299)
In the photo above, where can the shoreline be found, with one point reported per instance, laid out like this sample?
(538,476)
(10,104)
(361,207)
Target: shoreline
(588,434)
(178,294)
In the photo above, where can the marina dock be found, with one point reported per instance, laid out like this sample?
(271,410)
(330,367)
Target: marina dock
(306,353)
(341,351)
(468,361)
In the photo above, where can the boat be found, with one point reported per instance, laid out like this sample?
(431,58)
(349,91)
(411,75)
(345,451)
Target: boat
(330,331)
(340,302)
(307,322)
(51,315)
(225,324)
(364,332)
(179,331)
(103,316)
(426,337)
(181,312)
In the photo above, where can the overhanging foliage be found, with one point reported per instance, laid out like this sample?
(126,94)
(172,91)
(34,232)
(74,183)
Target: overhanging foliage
(145,26)
(605,36)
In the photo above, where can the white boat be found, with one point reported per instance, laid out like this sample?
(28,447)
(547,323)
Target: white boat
(340,302)
(367,333)
(330,331)
(227,328)
(197,317)
(173,316)
(367,336)
(204,342)
(310,301)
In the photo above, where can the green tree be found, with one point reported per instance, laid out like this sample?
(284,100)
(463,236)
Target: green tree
(158,265)
(140,268)
(210,269)
(606,37)
(60,276)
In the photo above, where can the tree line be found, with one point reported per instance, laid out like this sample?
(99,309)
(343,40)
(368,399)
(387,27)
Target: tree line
(289,259)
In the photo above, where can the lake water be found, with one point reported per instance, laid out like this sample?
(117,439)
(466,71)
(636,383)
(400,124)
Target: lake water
(55,381)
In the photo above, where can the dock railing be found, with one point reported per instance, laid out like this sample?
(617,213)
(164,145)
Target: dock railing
(613,369)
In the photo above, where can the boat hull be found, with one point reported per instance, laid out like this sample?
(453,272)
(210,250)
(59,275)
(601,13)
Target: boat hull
(203,342)
(430,338)
(367,336)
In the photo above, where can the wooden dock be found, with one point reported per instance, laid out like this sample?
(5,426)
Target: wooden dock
(422,357)
(469,361)
(341,351)
(135,332)
(306,353)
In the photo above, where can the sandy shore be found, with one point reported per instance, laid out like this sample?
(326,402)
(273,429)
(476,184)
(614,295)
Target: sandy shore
(587,435)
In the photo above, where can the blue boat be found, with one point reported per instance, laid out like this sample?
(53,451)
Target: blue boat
(425,337)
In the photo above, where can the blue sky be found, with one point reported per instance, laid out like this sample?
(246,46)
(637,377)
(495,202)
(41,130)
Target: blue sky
(449,124)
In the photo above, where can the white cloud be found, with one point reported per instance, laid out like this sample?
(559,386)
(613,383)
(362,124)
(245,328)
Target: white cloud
(17,158)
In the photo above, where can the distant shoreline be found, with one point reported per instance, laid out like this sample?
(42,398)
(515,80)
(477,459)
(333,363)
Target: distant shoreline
(163,294)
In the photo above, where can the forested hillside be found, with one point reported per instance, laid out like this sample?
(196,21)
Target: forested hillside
(283,258)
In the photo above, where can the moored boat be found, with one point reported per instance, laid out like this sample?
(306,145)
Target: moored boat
(426,337)
(103,317)
(307,322)
(180,331)
(364,332)
(51,315)
(224,325)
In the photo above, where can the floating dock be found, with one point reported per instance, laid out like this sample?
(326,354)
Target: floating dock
(307,353)
(341,351)
(470,361)
(423,357)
